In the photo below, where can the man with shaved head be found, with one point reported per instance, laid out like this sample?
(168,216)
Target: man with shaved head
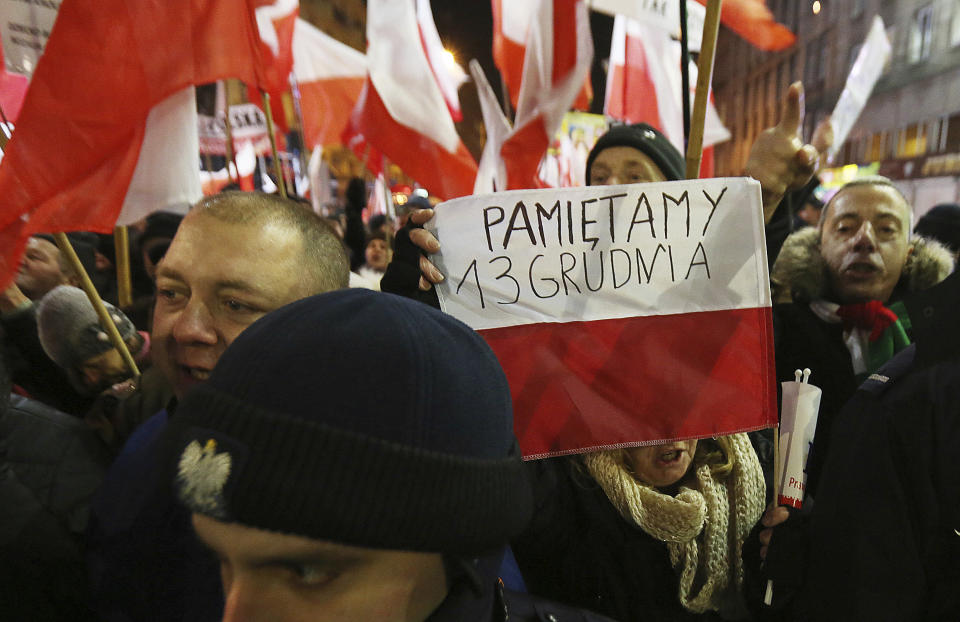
(236,256)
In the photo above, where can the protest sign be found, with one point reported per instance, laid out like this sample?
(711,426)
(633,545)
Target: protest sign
(863,76)
(24,30)
(248,124)
(622,315)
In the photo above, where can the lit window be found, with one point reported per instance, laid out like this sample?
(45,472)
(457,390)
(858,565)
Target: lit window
(913,141)
(955,26)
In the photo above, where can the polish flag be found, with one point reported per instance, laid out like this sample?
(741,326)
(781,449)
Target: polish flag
(644,85)
(621,315)
(491,175)
(557,60)
(401,110)
(86,128)
(511,27)
(752,20)
(450,77)
(276,24)
(329,76)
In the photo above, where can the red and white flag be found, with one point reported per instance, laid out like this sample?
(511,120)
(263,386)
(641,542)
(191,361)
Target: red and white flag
(83,126)
(511,30)
(329,76)
(644,83)
(276,22)
(622,315)
(401,111)
(491,175)
(558,58)
(450,77)
(752,20)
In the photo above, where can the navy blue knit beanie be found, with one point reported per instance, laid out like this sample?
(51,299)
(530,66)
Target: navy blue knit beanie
(648,140)
(361,418)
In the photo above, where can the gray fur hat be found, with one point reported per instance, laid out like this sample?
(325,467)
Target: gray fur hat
(69,329)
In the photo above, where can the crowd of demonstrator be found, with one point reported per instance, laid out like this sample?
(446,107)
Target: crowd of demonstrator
(299,447)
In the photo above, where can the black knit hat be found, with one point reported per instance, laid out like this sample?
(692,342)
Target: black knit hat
(356,417)
(648,140)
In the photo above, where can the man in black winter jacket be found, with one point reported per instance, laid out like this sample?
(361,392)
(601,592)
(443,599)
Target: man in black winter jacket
(883,539)
(50,465)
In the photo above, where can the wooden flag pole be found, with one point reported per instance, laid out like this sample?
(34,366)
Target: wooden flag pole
(4,135)
(228,129)
(278,169)
(105,320)
(711,26)
(298,111)
(121,244)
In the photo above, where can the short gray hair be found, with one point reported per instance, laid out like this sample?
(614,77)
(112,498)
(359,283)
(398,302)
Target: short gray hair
(325,258)
(868,180)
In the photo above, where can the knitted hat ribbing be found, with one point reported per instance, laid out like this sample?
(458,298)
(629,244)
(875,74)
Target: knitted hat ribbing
(70,330)
(646,139)
(356,417)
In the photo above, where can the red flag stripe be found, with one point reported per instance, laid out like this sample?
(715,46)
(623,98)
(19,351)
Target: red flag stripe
(446,174)
(687,382)
(752,20)
(326,106)
(564,31)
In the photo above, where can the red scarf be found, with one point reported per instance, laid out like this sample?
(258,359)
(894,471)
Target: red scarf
(872,316)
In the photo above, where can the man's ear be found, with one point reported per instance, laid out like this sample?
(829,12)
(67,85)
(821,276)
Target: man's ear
(72,278)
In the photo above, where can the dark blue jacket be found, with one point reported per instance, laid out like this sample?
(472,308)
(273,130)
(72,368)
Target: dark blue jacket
(143,558)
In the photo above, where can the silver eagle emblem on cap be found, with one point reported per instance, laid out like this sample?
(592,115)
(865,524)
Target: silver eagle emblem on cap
(202,473)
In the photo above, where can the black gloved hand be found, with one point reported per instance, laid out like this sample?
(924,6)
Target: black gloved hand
(402,276)
(356,195)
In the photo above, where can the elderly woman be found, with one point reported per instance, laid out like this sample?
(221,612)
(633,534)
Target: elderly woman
(647,533)
(651,532)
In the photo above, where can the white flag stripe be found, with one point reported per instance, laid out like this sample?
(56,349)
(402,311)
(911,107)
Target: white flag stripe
(400,72)
(490,172)
(654,262)
(449,75)
(517,15)
(863,76)
(167,175)
(318,56)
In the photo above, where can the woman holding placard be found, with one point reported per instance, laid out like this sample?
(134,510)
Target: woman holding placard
(650,533)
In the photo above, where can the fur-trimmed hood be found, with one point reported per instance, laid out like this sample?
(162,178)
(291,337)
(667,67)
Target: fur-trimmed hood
(800,272)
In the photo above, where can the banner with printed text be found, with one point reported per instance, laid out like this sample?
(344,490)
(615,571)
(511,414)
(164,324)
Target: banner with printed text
(622,315)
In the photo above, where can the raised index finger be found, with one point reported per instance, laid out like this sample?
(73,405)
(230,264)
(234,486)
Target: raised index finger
(791,119)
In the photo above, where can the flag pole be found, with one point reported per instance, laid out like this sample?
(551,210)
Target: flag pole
(105,320)
(685,73)
(6,128)
(278,169)
(121,244)
(4,136)
(298,111)
(228,129)
(711,25)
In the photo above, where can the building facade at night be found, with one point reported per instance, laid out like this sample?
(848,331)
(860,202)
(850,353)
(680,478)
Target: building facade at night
(910,128)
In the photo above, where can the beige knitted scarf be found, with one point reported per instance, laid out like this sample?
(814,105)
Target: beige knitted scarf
(703,527)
